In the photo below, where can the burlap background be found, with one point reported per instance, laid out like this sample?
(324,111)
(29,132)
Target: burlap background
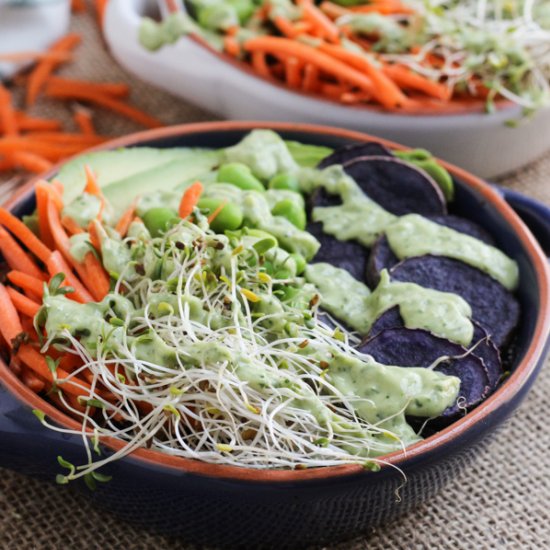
(501,502)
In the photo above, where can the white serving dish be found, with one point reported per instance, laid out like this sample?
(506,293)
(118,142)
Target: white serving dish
(480,143)
(30,25)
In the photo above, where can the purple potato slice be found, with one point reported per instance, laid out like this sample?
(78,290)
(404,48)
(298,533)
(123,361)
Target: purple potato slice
(486,350)
(391,318)
(382,257)
(348,255)
(493,307)
(420,348)
(397,186)
(351,152)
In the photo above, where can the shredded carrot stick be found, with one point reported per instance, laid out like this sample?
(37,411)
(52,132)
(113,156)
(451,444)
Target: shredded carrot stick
(8,118)
(27,123)
(216,212)
(50,151)
(6,164)
(405,78)
(94,236)
(293,72)
(117,90)
(333,10)
(65,138)
(259,64)
(387,8)
(57,264)
(10,324)
(100,7)
(384,90)
(16,257)
(109,103)
(326,27)
(325,62)
(78,6)
(92,187)
(125,220)
(58,186)
(24,305)
(52,191)
(84,121)
(30,162)
(40,74)
(71,226)
(352,98)
(190,199)
(97,279)
(32,380)
(231,46)
(311,78)
(37,363)
(21,57)
(27,282)
(24,234)
(285,26)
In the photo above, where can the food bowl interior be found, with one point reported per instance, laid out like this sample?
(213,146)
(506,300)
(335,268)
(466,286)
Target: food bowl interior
(468,203)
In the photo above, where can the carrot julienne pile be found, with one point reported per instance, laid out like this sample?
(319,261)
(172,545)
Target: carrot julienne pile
(34,144)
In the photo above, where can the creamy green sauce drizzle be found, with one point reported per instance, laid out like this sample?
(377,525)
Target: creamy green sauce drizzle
(442,313)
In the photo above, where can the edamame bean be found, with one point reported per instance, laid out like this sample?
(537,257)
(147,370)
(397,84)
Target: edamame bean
(158,219)
(413,155)
(285,180)
(229,218)
(440,175)
(293,213)
(239,175)
(265,241)
(300,262)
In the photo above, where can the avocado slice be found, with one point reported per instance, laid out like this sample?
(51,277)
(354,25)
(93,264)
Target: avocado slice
(193,163)
(121,164)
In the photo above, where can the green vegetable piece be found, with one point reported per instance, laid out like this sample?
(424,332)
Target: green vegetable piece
(300,262)
(440,176)
(157,219)
(285,181)
(260,233)
(229,218)
(413,155)
(292,212)
(240,175)
(424,160)
(244,9)
(263,245)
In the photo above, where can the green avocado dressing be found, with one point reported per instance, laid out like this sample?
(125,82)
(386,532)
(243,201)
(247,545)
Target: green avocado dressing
(413,235)
(384,394)
(445,314)
(83,209)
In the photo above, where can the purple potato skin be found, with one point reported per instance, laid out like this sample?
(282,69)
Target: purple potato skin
(348,255)
(382,257)
(493,307)
(420,348)
(397,186)
(351,152)
(482,346)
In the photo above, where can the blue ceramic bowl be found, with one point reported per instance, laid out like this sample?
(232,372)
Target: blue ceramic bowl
(239,507)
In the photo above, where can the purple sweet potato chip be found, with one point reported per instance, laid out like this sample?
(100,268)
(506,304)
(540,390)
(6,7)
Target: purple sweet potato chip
(420,348)
(463,225)
(397,186)
(381,256)
(483,347)
(493,307)
(348,255)
(351,152)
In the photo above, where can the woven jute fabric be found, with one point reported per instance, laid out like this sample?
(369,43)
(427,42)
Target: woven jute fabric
(499,502)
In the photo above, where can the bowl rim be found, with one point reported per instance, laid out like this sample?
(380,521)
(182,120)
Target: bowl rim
(503,395)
